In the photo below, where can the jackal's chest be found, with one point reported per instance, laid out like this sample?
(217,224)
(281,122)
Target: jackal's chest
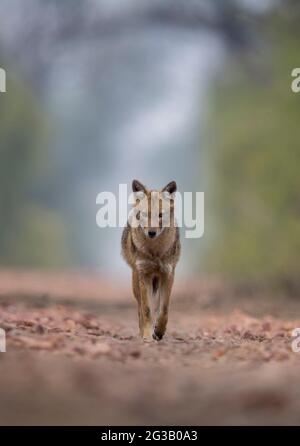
(153,266)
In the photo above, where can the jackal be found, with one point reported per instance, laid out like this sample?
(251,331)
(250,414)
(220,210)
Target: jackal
(151,247)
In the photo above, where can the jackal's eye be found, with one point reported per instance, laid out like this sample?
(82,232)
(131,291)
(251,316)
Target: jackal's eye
(138,215)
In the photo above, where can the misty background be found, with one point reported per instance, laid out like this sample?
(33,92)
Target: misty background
(101,92)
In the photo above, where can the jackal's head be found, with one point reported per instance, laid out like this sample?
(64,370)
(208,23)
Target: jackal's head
(154,209)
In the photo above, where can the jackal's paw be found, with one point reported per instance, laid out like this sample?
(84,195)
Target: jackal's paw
(157,336)
(146,335)
(147,339)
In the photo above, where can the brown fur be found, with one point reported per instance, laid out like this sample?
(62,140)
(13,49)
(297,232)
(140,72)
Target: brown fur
(153,262)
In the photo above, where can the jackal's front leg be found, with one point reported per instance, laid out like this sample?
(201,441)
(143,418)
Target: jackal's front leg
(137,295)
(146,321)
(164,303)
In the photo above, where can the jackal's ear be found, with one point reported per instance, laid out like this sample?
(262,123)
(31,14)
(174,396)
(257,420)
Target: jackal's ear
(170,187)
(138,187)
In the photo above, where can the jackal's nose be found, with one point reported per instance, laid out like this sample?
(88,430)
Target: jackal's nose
(152,234)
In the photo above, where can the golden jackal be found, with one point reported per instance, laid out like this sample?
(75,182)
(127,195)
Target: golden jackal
(151,247)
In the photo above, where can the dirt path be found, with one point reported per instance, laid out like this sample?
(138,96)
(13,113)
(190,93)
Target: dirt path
(226,359)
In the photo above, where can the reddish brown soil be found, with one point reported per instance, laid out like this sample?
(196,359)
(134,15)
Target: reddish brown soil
(74,357)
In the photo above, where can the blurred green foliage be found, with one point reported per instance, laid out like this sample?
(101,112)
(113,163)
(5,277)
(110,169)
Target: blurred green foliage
(253,202)
(31,234)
